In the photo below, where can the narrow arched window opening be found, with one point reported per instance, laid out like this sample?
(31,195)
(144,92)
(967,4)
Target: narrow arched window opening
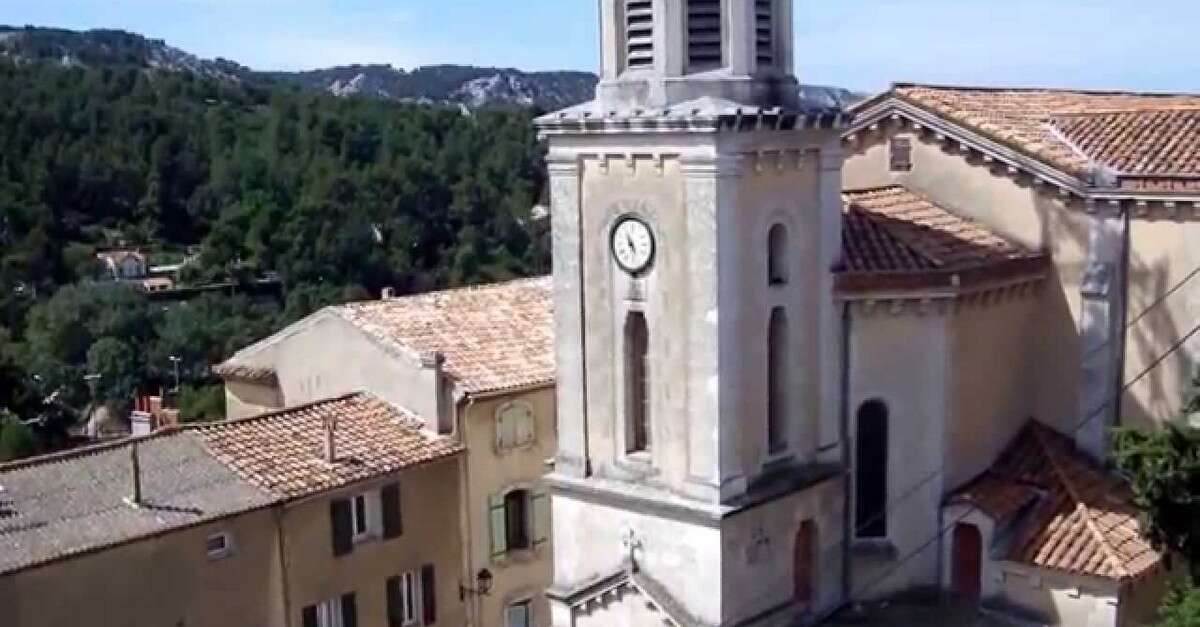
(871,470)
(777,255)
(777,382)
(637,383)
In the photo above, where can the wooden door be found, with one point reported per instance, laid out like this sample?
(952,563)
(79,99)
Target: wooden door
(967,576)
(805,563)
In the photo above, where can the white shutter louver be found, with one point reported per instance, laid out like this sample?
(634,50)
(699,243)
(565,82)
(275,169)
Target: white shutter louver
(704,35)
(639,33)
(764,31)
(541,517)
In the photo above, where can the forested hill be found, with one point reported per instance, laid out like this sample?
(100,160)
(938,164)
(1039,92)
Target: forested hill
(339,197)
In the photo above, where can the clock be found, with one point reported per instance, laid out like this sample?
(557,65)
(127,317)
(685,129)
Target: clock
(633,245)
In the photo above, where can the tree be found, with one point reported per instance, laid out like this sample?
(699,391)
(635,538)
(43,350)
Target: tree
(115,362)
(16,439)
(1181,608)
(1163,466)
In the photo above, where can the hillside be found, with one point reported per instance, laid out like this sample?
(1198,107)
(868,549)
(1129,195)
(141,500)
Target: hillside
(441,84)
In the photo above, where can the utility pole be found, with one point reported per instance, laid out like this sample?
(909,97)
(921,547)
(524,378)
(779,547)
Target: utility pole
(175,362)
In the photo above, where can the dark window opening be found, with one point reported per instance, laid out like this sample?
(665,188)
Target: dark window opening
(516,515)
(777,382)
(900,154)
(637,384)
(871,472)
(777,255)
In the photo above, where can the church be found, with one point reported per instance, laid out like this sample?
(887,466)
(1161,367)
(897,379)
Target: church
(810,357)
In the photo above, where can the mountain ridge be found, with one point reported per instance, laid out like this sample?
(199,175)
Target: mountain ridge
(447,84)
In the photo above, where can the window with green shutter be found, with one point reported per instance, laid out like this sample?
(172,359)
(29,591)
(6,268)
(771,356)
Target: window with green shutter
(498,518)
(541,517)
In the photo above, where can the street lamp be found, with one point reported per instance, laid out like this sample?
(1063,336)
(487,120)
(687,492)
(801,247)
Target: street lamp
(483,585)
(175,362)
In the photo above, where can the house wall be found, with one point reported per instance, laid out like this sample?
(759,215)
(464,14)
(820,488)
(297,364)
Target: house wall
(1163,254)
(993,358)
(325,356)
(1034,217)
(244,399)
(1061,598)
(167,580)
(519,575)
(430,513)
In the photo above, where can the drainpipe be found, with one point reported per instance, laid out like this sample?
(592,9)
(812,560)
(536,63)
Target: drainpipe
(285,586)
(1126,262)
(847,496)
(466,510)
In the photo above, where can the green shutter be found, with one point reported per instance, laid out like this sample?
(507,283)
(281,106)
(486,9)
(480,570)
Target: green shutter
(389,499)
(341,527)
(541,517)
(499,527)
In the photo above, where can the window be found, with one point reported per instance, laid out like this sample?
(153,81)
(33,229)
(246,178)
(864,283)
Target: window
(871,470)
(218,546)
(764,31)
(519,521)
(403,600)
(639,33)
(704,35)
(358,518)
(637,384)
(515,427)
(777,255)
(519,615)
(900,153)
(336,612)
(777,382)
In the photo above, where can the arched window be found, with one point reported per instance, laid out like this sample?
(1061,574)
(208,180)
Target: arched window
(777,382)
(777,257)
(871,470)
(637,384)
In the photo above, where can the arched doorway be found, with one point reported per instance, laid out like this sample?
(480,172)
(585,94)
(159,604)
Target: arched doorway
(804,573)
(967,576)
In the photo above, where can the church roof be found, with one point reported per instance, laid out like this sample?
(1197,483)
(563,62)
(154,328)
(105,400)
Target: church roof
(897,239)
(1145,139)
(1082,519)
(493,337)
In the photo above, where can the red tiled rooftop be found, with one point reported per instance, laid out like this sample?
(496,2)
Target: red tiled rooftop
(283,452)
(896,238)
(493,337)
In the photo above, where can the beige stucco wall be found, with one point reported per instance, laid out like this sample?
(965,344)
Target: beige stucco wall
(244,399)
(1032,216)
(1061,598)
(520,575)
(164,581)
(993,356)
(1163,254)
(431,536)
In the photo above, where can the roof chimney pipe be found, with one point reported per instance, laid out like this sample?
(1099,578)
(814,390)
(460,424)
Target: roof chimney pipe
(330,428)
(135,499)
(388,293)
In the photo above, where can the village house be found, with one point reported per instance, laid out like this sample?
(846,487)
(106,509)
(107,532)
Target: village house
(478,364)
(326,515)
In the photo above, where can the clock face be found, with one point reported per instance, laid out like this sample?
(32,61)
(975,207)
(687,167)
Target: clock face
(633,245)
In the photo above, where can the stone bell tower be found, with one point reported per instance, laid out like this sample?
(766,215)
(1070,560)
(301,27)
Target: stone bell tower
(696,219)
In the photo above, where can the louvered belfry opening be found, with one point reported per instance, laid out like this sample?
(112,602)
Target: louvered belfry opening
(639,34)
(764,30)
(704,35)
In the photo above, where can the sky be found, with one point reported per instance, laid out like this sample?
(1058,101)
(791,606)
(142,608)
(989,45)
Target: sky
(860,44)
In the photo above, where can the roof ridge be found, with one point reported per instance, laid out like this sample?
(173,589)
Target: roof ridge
(89,450)
(1120,111)
(201,426)
(478,287)
(1056,90)
(1111,554)
(872,188)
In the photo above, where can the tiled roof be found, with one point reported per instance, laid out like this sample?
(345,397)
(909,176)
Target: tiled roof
(895,238)
(1138,135)
(1084,521)
(69,504)
(63,505)
(995,495)
(242,372)
(283,452)
(494,337)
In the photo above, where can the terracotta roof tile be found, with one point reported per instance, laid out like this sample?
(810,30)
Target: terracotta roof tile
(494,337)
(1084,522)
(1135,134)
(283,452)
(896,238)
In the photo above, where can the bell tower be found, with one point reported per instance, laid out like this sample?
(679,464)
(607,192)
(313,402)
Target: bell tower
(696,209)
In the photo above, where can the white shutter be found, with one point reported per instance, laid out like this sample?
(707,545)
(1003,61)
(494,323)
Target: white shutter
(524,426)
(541,517)
(499,525)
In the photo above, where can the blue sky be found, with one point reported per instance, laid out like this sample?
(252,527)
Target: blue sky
(862,44)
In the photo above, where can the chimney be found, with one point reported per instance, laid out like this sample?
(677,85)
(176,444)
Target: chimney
(330,428)
(135,499)
(388,293)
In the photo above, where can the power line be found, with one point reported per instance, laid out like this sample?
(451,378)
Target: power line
(1174,348)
